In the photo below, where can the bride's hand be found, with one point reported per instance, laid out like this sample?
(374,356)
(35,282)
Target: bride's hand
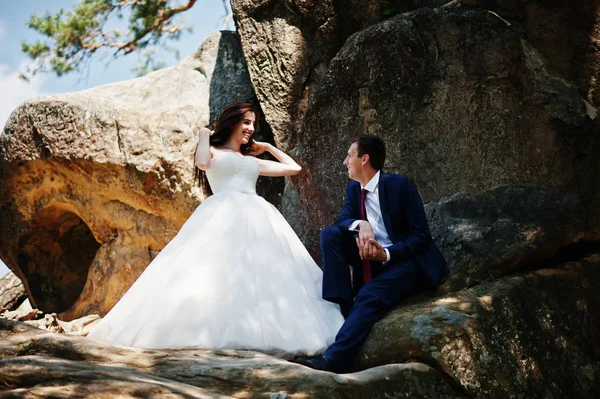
(258,147)
(205,130)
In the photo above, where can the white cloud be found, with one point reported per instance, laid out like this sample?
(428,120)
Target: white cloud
(14,90)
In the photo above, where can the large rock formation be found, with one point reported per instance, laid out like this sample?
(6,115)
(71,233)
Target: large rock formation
(565,32)
(94,183)
(465,104)
(288,46)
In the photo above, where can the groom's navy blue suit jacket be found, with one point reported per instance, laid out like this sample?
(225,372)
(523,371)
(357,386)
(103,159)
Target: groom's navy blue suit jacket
(405,222)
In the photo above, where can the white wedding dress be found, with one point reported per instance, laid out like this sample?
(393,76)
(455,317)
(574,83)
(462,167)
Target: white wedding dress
(236,276)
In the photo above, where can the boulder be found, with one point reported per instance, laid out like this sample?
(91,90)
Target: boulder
(12,292)
(465,105)
(507,229)
(565,32)
(532,335)
(95,183)
(288,46)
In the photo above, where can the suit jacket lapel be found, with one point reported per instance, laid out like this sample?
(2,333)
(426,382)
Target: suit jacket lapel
(357,190)
(383,203)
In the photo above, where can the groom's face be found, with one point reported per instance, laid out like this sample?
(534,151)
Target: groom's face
(353,162)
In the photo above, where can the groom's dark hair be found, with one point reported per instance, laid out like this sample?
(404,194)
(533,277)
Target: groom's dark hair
(372,145)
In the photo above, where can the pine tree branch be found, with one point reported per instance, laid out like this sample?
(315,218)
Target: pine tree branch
(77,36)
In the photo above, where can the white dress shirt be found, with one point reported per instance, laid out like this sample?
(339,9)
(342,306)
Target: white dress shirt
(374,216)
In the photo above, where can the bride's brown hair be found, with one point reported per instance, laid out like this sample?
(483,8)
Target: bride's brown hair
(227,120)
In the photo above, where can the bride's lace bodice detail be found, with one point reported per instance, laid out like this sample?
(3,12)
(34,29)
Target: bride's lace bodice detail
(230,172)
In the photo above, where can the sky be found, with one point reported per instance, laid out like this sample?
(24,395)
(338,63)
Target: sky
(205,17)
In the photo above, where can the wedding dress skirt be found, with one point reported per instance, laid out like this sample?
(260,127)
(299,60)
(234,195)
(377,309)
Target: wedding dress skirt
(236,276)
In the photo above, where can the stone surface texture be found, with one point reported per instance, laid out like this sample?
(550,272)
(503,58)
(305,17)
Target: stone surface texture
(465,105)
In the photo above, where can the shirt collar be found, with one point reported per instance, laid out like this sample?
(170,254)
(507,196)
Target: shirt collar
(373,183)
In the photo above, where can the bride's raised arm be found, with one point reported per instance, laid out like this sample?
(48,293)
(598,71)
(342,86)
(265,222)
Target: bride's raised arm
(285,167)
(202,154)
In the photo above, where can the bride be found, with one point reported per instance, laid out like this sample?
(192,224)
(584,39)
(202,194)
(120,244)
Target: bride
(236,276)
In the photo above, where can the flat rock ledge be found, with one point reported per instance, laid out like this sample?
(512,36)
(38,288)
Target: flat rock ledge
(526,335)
(531,335)
(35,363)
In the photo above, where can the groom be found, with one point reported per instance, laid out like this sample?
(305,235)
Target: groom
(383,234)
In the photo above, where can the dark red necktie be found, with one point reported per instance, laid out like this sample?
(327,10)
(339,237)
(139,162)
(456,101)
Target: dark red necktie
(366,264)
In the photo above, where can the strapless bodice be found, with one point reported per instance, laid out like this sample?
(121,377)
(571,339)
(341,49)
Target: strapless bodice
(229,171)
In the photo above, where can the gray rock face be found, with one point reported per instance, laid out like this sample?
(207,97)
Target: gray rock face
(464,105)
(565,32)
(36,363)
(507,229)
(94,183)
(531,335)
(12,292)
(288,46)
(60,378)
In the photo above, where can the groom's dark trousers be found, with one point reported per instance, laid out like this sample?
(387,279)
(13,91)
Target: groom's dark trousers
(415,263)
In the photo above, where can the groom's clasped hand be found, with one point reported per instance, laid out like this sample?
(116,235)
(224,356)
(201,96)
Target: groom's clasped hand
(368,247)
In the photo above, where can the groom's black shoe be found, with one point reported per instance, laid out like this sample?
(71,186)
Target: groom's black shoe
(317,363)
